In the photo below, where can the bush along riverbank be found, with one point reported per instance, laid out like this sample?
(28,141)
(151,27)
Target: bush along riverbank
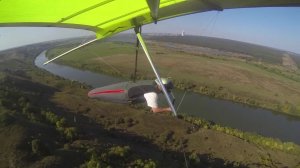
(266,142)
(223,93)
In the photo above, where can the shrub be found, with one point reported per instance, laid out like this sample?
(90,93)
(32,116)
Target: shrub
(119,151)
(194,159)
(51,117)
(38,148)
(61,123)
(6,119)
(139,163)
(70,133)
(94,162)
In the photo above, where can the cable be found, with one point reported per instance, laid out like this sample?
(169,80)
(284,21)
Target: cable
(186,163)
(71,50)
(211,21)
(185,160)
(139,29)
(110,65)
(214,22)
(181,100)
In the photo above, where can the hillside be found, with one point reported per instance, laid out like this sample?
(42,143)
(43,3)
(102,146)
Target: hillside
(46,121)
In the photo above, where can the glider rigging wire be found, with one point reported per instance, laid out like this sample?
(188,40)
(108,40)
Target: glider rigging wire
(181,100)
(185,160)
(213,23)
(80,46)
(185,92)
(137,29)
(110,65)
(209,25)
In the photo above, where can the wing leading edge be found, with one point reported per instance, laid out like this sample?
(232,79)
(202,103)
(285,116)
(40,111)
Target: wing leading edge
(108,17)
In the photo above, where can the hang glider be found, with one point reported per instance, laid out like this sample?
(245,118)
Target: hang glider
(109,17)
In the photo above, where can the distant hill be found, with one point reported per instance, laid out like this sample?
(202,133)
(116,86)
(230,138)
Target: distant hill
(296,58)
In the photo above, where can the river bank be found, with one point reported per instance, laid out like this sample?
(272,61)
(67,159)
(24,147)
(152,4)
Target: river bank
(164,133)
(244,118)
(256,84)
(260,119)
(168,133)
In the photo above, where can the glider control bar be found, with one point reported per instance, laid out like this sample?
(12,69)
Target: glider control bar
(73,49)
(156,73)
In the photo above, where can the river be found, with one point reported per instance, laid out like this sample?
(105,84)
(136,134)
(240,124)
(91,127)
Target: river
(226,113)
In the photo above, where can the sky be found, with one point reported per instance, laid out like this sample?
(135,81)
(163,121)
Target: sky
(273,27)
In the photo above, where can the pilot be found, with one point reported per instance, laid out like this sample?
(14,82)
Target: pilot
(152,97)
(149,93)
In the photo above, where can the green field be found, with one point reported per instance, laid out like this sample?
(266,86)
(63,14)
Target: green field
(252,82)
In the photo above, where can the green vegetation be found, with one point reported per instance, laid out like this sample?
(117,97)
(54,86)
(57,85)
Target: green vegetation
(242,80)
(116,156)
(47,121)
(38,148)
(250,137)
(70,133)
(5,119)
(29,110)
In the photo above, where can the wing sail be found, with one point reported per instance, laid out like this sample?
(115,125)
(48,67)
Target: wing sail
(108,17)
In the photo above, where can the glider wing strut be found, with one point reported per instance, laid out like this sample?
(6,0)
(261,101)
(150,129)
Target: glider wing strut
(139,36)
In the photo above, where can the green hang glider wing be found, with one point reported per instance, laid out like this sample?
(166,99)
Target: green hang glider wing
(108,17)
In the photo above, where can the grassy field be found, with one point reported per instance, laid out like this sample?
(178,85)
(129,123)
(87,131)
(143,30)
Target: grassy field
(54,124)
(255,83)
(266,54)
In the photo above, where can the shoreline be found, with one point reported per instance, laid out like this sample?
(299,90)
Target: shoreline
(202,90)
(236,132)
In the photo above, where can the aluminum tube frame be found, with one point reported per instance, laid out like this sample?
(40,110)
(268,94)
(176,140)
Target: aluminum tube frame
(73,49)
(139,36)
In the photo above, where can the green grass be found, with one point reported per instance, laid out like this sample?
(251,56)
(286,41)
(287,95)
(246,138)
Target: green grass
(258,84)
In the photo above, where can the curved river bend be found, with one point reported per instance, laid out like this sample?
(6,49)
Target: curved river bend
(226,113)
